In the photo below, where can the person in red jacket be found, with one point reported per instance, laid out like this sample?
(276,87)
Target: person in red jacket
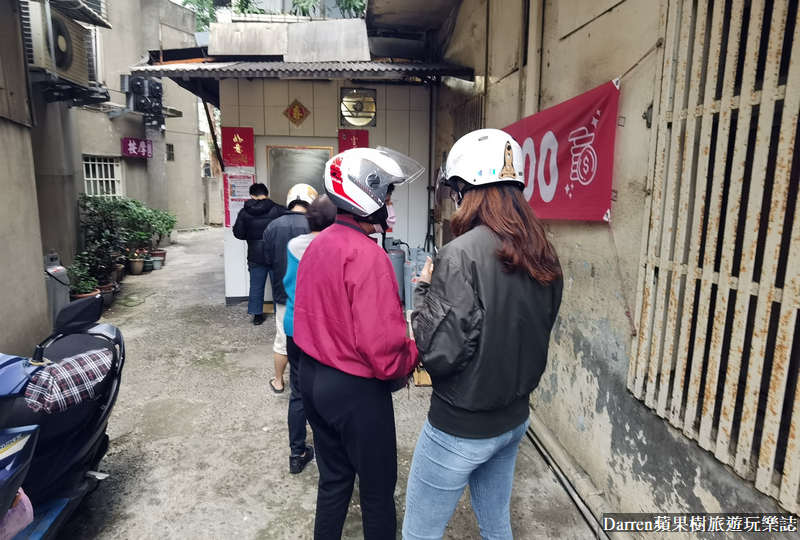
(349,323)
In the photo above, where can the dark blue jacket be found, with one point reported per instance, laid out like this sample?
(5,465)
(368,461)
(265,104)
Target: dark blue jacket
(276,237)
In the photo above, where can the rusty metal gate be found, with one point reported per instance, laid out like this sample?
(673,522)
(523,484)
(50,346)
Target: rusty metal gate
(719,344)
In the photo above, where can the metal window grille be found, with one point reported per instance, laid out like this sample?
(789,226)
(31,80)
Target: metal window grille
(719,344)
(468,117)
(170,152)
(102,176)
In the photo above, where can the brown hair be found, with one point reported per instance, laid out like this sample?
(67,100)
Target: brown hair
(503,209)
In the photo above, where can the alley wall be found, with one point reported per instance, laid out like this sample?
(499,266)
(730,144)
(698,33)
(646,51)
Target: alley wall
(24,319)
(635,458)
(139,27)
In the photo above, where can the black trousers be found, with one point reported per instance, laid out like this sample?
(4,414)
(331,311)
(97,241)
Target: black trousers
(353,423)
(297,415)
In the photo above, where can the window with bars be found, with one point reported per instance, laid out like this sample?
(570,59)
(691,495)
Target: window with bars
(719,344)
(468,117)
(102,176)
(170,152)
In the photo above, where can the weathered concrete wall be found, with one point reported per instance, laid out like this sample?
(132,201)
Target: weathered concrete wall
(634,457)
(59,175)
(24,319)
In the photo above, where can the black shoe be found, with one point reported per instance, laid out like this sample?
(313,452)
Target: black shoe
(258,319)
(298,463)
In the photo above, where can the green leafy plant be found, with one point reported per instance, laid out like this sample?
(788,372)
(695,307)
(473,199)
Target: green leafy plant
(80,279)
(163,224)
(103,235)
(205,12)
(305,8)
(352,8)
(247,7)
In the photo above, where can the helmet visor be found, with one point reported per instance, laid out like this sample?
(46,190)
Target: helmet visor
(411,170)
(445,190)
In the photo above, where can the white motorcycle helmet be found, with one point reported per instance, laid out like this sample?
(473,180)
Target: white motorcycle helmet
(358,179)
(300,193)
(480,158)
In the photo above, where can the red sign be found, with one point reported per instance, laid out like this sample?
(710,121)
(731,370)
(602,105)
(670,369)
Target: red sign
(296,113)
(238,149)
(353,138)
(569,156)
(141,148)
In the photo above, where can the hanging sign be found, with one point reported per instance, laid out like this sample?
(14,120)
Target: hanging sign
(353,138)
(138,148)
(238,148)
(297,113)
(237,192)
(569,155)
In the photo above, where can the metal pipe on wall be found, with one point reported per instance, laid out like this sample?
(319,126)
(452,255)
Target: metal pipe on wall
(535,53)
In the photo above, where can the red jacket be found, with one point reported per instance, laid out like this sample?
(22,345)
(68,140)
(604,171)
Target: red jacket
(347,309)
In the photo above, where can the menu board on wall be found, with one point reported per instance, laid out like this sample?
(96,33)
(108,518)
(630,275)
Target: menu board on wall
(237,192)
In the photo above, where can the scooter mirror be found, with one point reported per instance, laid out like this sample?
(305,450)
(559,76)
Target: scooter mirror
(79,315)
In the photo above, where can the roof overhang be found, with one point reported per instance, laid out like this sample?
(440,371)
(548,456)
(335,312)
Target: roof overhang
(202,78)
(78,10)
(410,15)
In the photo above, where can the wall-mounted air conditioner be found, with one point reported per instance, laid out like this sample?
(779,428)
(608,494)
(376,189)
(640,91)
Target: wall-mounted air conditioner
(66,54)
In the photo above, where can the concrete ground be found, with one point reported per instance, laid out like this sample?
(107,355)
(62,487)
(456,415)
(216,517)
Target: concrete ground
(199,447)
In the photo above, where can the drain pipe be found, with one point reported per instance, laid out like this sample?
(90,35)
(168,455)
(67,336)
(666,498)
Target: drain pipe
(587,498)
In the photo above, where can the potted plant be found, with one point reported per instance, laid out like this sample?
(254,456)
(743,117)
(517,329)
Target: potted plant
(163,224)
(135,261)
(148,263)
(81,282)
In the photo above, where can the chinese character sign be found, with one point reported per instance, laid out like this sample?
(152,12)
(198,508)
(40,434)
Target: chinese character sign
(238,147)
(353,138)
(297,113)
(569,155)
(138,148)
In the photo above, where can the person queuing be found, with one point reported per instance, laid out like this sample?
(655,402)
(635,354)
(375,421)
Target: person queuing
(483,315)
(349,324)
(320,215)
(250,225)
(275,238)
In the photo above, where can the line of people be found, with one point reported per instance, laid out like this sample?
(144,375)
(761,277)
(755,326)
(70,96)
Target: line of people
(484,310)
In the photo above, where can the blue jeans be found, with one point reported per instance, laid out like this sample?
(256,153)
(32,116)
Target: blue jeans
(258,282)
(442,467)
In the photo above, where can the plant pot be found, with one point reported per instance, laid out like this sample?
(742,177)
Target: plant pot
(120,272)
(108,298)
(107,287)
(87,295)
(135,266)
(157,263)
(148,265)
(162,253)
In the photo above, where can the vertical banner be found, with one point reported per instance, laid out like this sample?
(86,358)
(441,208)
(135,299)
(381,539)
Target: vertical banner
(569,155)
(238,147)
(353,138)
(237,192)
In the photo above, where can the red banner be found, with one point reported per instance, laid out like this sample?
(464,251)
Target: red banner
(238,149)
(353,138)
(569,156)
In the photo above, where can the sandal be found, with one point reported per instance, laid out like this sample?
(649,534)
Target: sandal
(275,390)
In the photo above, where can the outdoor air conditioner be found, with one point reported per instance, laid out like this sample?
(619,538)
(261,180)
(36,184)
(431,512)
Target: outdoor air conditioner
(71,60)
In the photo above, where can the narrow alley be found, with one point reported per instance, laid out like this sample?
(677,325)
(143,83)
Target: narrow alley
(199,447)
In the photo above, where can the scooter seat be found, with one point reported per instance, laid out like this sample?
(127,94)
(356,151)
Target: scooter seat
(58,426)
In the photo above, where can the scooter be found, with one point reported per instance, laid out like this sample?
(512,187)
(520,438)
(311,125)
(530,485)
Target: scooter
(54,457)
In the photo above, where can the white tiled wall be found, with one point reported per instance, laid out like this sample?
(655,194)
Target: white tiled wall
(403,124)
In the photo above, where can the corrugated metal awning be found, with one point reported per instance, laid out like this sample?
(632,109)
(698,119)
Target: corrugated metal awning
(304,70)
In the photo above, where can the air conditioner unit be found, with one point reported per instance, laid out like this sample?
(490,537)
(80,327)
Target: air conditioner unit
(69,43)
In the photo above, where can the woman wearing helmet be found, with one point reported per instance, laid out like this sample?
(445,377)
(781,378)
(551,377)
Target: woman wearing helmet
(483,314)
(349,323)
(276,237)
